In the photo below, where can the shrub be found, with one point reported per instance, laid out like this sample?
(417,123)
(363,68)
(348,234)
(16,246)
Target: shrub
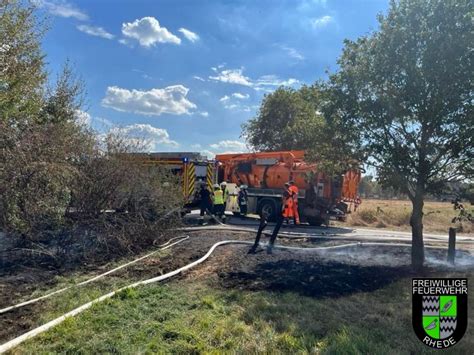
(368,215)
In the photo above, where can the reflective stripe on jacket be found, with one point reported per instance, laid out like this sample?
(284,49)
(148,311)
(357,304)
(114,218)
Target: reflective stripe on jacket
(287,204)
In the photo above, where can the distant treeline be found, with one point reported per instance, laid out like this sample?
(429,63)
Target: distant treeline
(369,187)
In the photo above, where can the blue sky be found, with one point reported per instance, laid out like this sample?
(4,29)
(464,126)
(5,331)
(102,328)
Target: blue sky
(185,75)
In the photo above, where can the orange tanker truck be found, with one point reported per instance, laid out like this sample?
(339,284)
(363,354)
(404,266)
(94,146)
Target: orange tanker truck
(265,174)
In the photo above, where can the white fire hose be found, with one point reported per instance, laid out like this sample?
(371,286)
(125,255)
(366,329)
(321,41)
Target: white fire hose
(162,247)
(32,333)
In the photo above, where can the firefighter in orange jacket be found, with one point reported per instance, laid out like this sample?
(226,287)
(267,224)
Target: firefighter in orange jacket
(287,204)
(286,213)
(294,191)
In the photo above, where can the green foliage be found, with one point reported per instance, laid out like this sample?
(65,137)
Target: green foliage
(305,119)
(22,73)
(58,179)
(408,90)
(37,174)
(287,120)
(64,100)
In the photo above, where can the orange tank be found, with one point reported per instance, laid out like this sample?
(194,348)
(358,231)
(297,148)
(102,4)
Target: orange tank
(270,170)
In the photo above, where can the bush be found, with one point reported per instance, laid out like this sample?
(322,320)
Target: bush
(67,193)
(37,171)
(368,216)
(62,190)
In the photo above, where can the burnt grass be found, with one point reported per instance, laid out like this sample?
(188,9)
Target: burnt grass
(313,274)
(307,278)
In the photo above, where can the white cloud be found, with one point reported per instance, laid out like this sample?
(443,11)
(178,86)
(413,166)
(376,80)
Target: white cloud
(145,135)
(86,120)
(321,21)
(189,35)
(238,107)
(231,76)
(104,122)
(208,154)
(171,99)
(292,52)
(63,9)
(273,80)
(231,106)
(233,102)
(204,114)
(125,42)
(198,78)
(229,145)
(196,146)
(95,31)
(240,96)
(147,31)
(236,76)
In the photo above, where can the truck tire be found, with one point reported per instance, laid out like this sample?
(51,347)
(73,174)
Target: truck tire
(269,206)
(315,221)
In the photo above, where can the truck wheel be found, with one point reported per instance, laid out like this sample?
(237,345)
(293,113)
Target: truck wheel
(269,207)
(315,221)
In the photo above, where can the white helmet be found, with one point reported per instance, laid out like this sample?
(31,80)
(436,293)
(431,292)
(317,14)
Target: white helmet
(243,187)
(216,186)
(223,183)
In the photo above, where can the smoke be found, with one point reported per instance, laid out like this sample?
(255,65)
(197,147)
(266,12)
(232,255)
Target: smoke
(387,255)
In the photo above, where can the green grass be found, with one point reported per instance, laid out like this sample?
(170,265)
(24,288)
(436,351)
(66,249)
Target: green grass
(195,317)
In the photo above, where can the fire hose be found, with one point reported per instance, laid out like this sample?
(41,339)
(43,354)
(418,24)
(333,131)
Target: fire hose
(300,235)
(162,247)
(32,333)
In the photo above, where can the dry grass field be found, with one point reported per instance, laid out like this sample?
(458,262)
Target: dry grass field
(395,214)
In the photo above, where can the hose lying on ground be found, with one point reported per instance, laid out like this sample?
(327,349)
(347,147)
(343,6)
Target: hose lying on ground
(162,247)
(296,235)
(32,333)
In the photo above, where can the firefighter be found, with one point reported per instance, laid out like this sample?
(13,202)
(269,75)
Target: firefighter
(225,193)
(285,213)
(294,191)
(242,199)
(287,205)
(205,202)
(218,200)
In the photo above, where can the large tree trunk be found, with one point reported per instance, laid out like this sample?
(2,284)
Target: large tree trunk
(416,222)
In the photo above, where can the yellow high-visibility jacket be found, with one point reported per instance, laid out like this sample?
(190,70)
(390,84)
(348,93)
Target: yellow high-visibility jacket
(218,197)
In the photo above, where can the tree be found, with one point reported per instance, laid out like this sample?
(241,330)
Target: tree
(407,88)
(366,185)
(285,121)
(63,102)
(305,119)
(22,74)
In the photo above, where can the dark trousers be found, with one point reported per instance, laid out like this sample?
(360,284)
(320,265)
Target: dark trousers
(243,209)
(205,207)
(263,224)
(275,231)
(219,210)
